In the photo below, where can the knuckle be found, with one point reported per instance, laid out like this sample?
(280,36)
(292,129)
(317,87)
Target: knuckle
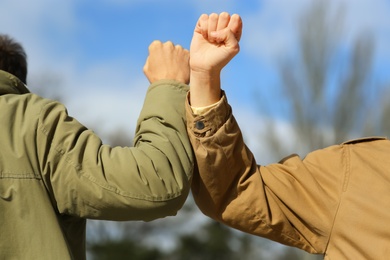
(169,44)
(154,44)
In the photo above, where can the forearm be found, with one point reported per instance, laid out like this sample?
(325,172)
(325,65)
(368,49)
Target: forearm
(148,181)
(231,188)
(215,152)
(205,88)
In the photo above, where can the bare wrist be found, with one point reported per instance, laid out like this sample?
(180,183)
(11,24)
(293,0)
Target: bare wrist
(205,88)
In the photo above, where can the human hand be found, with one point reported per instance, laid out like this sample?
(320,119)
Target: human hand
(167,61)
(214,44)
(215,41)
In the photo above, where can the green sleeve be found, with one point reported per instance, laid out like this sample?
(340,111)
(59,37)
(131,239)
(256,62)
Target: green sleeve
(150,180)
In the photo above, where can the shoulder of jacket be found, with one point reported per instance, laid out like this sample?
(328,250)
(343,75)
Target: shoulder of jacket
(365,139)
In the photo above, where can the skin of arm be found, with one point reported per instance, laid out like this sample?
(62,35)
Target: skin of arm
(148,181)
(228,185)
(214,44)
(167,61)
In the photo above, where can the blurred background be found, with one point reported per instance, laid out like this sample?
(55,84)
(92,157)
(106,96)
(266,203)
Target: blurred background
(311,73)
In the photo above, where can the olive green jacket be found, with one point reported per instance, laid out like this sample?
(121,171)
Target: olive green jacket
(335,201)
(55,173)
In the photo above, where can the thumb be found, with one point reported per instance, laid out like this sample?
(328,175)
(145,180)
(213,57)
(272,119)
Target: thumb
(225,37)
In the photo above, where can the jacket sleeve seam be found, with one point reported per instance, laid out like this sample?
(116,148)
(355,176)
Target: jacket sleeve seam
(110,188)
(126,194)
(287,236)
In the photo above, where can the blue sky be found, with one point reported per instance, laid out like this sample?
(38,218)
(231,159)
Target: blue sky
(95,49)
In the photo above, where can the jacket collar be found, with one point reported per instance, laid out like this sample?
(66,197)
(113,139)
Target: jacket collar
(9,84)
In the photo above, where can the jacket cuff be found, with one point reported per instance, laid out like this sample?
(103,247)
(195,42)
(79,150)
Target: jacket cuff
(207,124)
(169,82)
(164,99)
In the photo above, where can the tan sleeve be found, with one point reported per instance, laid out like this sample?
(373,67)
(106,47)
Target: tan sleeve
(284,202)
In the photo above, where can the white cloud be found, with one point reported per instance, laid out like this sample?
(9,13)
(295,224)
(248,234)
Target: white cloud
(371,15)
(26,20)
(104,96)
(110,108)
(269,33)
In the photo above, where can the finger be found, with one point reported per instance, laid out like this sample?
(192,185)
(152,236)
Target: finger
(182,51)
(235,25)
(223,21)
(227,38)
(179,47)
(202,26)
(154,45)
(213,23)
(169,45)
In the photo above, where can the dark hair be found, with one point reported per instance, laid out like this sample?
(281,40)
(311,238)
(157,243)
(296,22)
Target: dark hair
(13,58)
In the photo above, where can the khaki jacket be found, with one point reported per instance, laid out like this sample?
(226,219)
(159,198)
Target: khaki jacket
(335,201)
(55,173)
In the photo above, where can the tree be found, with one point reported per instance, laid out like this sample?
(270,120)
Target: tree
(209,243)
(136,239)
(123,249)
(327,88)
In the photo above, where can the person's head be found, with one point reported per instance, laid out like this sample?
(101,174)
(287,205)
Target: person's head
(13,58)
